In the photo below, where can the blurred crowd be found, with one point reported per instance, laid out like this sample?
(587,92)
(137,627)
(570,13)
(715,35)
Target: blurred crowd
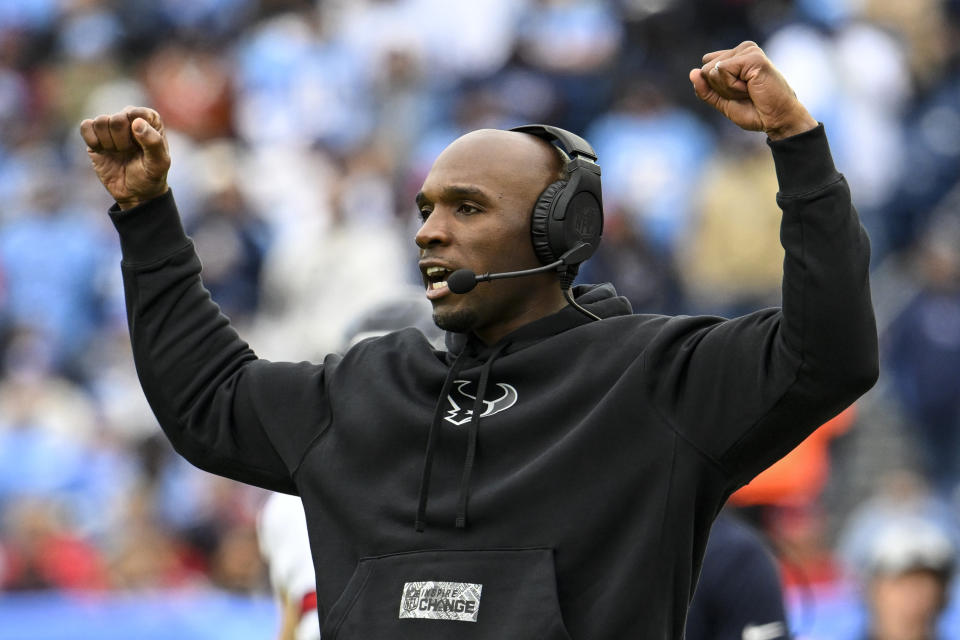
(300,131)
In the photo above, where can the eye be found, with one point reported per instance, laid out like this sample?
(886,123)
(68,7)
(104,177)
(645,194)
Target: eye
(468,209)
(424,213)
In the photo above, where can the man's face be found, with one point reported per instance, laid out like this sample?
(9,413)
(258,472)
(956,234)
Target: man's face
(476,204)
(906,606)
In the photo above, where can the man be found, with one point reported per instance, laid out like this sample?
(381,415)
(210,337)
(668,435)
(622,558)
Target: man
(907,580)
(608,445)
(739,594)
(282,534)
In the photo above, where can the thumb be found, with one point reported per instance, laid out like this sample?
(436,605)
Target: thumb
(146,136)
(156,159)
(699,82)
(703,89)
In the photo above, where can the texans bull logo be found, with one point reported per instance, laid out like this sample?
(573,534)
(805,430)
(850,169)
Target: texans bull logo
(461,402)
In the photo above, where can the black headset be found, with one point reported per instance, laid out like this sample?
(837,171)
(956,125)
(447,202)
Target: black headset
(569,213)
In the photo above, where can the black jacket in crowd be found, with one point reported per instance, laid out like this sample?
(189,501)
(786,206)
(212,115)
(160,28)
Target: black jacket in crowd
(574,498)
(739,595)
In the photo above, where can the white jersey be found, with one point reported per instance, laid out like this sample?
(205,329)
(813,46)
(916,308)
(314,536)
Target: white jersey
(282,529)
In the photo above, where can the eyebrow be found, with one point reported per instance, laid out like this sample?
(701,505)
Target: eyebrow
(455,192)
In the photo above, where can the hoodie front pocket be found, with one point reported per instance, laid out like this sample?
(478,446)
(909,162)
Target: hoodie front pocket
(468,594)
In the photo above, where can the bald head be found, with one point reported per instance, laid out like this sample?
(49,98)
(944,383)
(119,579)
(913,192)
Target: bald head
(517,161)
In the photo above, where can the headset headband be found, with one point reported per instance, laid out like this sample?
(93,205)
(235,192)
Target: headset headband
(572,144)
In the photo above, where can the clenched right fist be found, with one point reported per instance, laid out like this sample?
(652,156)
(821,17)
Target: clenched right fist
(130,154)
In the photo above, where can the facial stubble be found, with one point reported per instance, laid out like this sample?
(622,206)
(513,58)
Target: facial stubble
(457,321)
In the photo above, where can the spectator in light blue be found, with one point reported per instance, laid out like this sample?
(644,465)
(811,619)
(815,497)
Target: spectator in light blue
(49,443)
(652,152)
(36,462)
(857,80)
(486,34)
(575,44)
(932,166)
(50,256)
(232,241)
(923,355)
(295,88)
(89,34)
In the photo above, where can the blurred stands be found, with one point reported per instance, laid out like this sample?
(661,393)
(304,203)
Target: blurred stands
(300,131)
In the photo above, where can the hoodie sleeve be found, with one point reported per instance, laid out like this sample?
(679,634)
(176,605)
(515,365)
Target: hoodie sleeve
(223,409)
(746,391)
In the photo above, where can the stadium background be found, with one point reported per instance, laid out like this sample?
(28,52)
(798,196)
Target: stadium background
(300,132)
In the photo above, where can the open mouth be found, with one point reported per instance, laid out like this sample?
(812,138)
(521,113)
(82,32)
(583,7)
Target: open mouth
(436,277)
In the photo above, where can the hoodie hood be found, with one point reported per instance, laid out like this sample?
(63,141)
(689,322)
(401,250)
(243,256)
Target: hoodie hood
(600,299)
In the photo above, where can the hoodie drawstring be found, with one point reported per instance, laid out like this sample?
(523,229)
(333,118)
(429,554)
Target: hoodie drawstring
(432,441)
(461,521)
(472,436)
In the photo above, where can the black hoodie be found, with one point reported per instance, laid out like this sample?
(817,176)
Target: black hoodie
(574,499)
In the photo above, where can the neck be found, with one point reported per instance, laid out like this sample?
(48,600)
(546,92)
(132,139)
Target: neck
(495,333)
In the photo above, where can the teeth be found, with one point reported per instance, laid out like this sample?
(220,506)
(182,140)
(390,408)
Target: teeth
(437,275)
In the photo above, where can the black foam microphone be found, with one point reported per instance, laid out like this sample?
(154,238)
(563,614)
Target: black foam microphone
(464,280)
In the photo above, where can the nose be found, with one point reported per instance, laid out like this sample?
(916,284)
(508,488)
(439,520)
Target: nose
(434,231)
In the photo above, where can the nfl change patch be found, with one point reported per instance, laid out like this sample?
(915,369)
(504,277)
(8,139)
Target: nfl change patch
(459,601)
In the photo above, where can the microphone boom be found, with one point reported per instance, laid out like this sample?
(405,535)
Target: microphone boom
(464,280)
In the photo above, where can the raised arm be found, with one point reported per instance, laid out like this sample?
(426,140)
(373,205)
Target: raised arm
(746,391)
(223,409)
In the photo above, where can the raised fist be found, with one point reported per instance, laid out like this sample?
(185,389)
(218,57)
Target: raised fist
(130,154)
(743,85)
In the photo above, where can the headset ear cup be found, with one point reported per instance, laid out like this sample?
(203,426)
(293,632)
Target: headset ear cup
(539,223)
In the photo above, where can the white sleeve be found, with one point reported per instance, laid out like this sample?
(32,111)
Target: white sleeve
(282,529)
